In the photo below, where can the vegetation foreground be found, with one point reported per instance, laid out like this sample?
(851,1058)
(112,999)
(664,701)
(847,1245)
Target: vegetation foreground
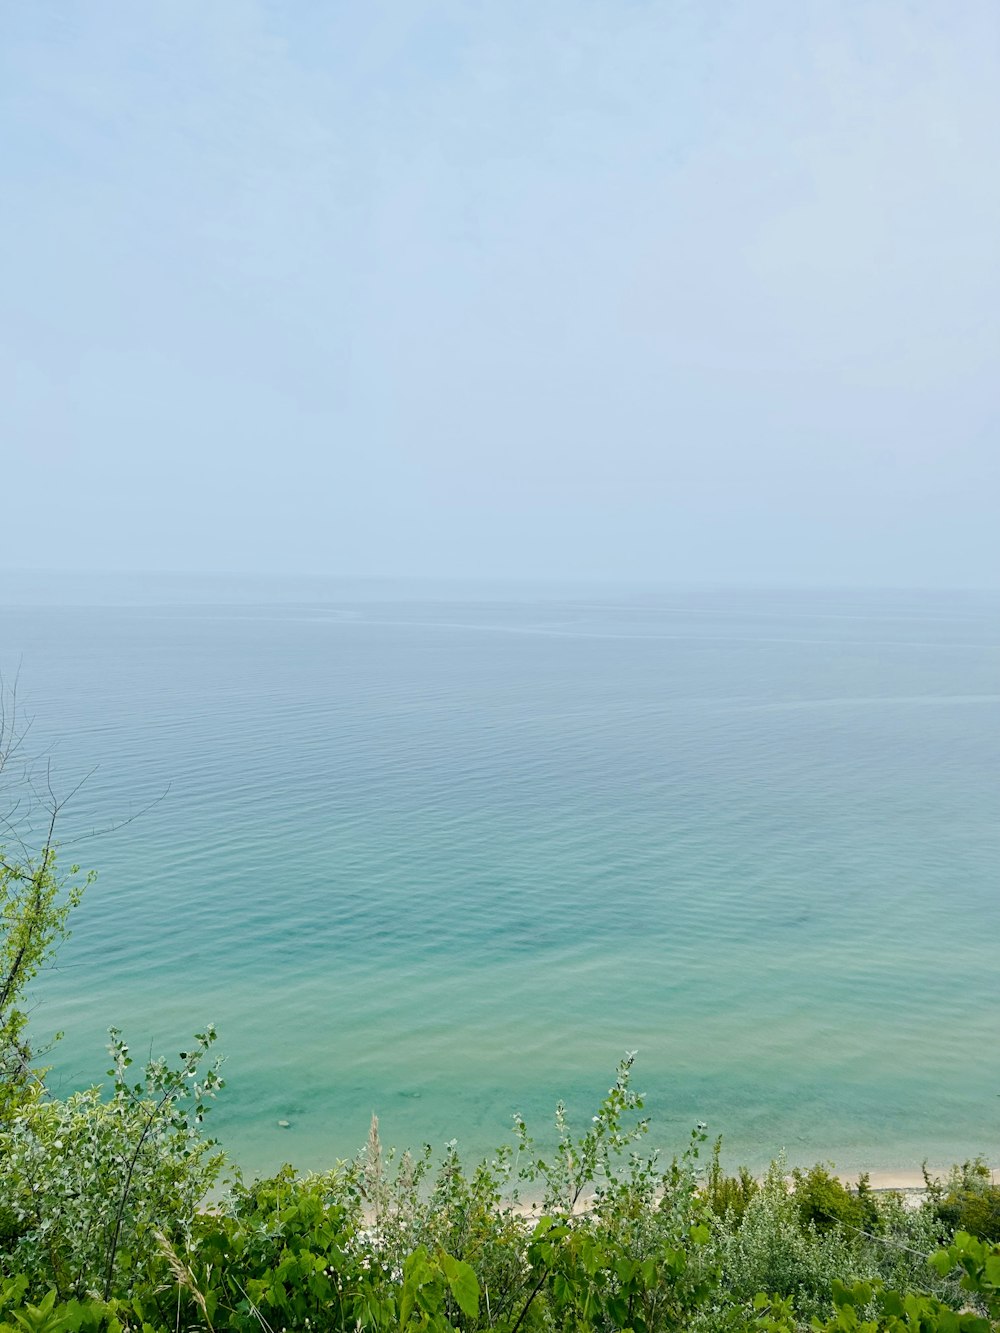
(104,1225)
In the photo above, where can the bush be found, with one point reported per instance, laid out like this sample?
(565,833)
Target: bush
(825,1202)
(791,1244)
(968,1201)
(89,1184)
(728,1196)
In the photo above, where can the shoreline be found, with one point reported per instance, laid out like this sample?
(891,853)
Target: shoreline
(905,1182)
(885,1182)
(908,1179)
(909,1184)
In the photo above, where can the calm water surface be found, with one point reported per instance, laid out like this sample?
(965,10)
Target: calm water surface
(449,858)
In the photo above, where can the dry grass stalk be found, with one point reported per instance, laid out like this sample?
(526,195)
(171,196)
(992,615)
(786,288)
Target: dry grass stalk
(182,1274)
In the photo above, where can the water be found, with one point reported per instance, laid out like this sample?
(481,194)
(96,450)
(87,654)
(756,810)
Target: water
(448,855)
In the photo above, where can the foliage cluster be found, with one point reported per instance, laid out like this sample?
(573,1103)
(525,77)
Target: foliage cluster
(968,1200)
(110,1237)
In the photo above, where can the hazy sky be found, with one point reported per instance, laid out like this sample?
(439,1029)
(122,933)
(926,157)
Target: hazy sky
(686,290)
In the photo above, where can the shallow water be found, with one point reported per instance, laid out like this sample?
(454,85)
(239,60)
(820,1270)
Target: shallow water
(447,857)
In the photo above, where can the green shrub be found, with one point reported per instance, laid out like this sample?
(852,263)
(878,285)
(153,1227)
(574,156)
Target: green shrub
(978,1265)
(468,1215)
(825,1202)
(290,1253)
(728,1196)
(779,1246)
(968,1200)
(89,1183)
(768,1249)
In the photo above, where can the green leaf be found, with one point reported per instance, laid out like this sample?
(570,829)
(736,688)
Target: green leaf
(892,1303)
(414,1272)
(463,1283)
(943,1262)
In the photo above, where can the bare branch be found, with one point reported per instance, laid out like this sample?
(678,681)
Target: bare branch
(118,823)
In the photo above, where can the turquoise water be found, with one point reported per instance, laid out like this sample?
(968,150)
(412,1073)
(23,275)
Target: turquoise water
(447,857)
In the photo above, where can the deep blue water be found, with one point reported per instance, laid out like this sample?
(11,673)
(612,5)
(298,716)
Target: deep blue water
(449,856)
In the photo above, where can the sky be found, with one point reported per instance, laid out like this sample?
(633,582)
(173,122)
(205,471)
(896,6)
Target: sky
(681,290)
